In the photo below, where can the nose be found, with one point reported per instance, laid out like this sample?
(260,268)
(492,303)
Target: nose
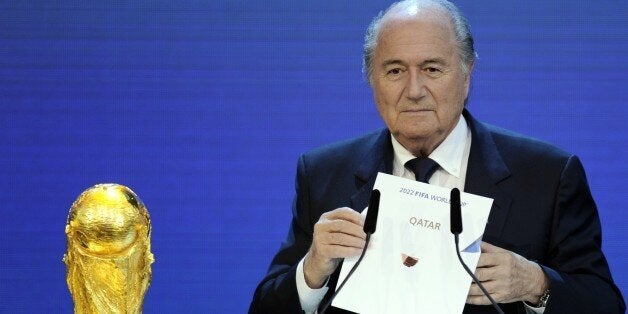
(415,90)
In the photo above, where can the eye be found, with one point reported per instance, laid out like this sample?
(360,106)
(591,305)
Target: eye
(394,71)
(433,72)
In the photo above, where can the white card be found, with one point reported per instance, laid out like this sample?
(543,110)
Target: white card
(411,264)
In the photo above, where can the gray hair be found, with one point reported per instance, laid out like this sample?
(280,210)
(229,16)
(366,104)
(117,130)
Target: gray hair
(464,37)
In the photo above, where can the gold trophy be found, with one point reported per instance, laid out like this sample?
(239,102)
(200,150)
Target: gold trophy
(108,258)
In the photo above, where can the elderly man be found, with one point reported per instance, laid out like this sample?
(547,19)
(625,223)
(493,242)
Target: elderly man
(542,243)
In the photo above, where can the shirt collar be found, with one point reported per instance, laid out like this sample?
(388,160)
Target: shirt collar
(448,154)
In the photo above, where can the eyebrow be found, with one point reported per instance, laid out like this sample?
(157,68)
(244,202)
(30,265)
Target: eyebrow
(435,60)
(392,61)
(428,61)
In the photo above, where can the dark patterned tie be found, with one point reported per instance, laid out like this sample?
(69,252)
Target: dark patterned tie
(423,168)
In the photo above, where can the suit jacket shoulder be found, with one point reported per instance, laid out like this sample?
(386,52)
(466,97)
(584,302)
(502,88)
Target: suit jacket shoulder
(512,146)
(343,173)
(344,154)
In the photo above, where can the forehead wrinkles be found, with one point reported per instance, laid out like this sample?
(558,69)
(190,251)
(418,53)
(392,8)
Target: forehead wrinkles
(428,34)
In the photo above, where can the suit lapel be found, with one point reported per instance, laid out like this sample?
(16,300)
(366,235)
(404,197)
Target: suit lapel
(378,159)
(485,170)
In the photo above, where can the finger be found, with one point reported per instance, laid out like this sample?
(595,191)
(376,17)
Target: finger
(345,213)
(345,252)
(490,286)
(343,226)
(339,251)
(477,296)
(343,239)
(489,248)
(478,300)
(488,260)
(475,291)
(485,273)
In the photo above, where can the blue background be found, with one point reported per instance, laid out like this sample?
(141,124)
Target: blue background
(202,108)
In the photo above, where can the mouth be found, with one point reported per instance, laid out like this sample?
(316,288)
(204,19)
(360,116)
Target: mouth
(417,110)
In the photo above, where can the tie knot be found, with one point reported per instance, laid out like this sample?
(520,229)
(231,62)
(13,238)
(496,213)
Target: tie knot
(423,168)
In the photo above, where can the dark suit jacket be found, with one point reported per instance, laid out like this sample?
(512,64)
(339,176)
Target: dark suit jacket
(542,210)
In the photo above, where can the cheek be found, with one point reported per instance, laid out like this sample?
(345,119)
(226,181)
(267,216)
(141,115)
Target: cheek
(385,111)
(383,99)
(450,97)
(388,94)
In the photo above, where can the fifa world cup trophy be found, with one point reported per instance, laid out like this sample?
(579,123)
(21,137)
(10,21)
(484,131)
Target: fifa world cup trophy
(108,258)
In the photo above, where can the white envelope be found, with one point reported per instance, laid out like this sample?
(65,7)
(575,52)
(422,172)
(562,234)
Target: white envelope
(411,264)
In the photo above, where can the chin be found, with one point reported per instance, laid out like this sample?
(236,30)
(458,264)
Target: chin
(416,134)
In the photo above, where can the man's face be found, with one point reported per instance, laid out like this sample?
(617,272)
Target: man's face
(417,80)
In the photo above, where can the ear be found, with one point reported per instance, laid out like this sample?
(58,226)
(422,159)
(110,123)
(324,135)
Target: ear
(470,66)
